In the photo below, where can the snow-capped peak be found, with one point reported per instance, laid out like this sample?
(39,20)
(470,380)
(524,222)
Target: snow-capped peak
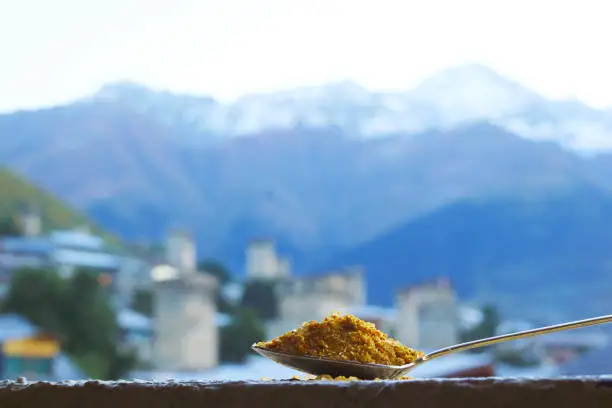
(122,90)
(471,92)
(448,98)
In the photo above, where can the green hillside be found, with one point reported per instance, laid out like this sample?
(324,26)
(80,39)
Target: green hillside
(16,191)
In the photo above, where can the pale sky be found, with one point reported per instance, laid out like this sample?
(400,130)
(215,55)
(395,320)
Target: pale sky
(55,51)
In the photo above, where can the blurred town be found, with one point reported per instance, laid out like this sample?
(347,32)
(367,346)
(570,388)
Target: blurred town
(181,179)
(77,306)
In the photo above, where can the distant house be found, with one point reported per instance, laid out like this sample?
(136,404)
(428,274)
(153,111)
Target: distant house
(263,262)
(70,250)
(184,314)
(28,352)
(428,315)
(312,297)
(66,250)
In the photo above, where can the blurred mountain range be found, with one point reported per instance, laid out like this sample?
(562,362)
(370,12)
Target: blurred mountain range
(456,96)
(548,258)
(321,169)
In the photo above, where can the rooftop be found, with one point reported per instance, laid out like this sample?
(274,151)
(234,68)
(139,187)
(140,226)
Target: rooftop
(38,245)
(87,259)
(13,326)
(76,239)
(129,319)
(71,247)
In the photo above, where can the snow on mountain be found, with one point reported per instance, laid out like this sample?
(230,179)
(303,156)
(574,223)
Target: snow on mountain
(472,92)
(447,99)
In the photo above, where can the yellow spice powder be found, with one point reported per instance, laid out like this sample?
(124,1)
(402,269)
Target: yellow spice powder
(343,337)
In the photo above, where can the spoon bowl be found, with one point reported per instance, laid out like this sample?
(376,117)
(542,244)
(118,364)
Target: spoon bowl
(336,368)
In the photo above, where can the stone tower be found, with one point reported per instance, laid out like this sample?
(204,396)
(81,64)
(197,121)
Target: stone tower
(186,336)
(180,251)
(427,315)
(356,284)
(262,261)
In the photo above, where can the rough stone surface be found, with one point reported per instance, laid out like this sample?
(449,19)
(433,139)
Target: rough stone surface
(585,392)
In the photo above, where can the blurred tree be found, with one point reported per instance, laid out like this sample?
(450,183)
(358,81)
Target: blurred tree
(121,363)
(216,269)
(261,297)
(224,277)
(487,326)
(78,312)
(237,337)
(142,301)
(39,296)
(9,227)
(87,303)
(223,305)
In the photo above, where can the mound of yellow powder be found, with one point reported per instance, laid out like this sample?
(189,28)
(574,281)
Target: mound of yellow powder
(343,337)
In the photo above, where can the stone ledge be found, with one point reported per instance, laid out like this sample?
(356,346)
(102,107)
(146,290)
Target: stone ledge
(581,392)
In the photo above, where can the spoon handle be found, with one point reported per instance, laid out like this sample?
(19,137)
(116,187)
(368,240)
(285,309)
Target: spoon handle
(518,335)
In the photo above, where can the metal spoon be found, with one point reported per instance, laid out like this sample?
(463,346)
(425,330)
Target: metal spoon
(335,368)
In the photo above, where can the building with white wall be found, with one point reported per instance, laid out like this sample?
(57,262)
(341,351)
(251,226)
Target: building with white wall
(427,315)
(186,335)
(181,251)
(263,262)
(184,319)
(313,297)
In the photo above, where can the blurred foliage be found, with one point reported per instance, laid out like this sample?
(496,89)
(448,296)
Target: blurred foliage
(486,328)
(217,270)
(9,226)
(224,305)
(237,337)
(260,296)
(224,276)
(77,311)
(142,301)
